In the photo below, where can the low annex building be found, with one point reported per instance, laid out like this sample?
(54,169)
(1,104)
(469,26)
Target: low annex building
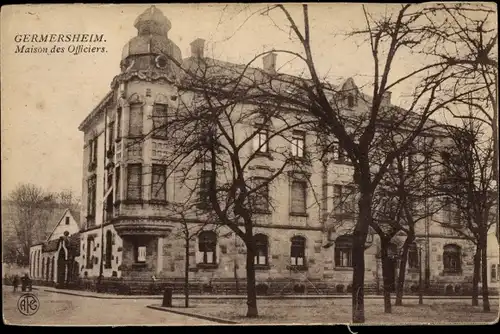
(54,261)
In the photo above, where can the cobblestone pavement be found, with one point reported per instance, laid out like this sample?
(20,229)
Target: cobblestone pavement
(58,309)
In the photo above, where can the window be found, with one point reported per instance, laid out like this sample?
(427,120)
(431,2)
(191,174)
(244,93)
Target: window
(298,144)
(344,199)
(205,180)
(260,143)
(338,153)
(90,248)
(136,121)
(452,258)
(350,100)
(261,195)
(117,183)
(109,249)
(451,211)
(159,186)
(118,123)
(141,254)
(91,196)
(494,272)
(343,251)
(261,249)
(160,121)
(297,251)
(111,135)
(207,244)
(413,260)
(298,202)
(92,149)
(134,182)
(66,221)
(408,160)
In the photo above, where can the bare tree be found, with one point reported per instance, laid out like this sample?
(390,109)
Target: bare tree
(408,181)
(468,39)
(30,209)
(221,134)
(400,32)
(469,192)
(189,230)
(395,33)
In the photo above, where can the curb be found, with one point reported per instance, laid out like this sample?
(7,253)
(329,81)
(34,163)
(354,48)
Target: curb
(199,316)
(225,297)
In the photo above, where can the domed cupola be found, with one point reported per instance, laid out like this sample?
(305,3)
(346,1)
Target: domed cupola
(151,48)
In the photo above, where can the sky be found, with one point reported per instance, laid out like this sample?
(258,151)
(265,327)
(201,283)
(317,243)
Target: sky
(46,97)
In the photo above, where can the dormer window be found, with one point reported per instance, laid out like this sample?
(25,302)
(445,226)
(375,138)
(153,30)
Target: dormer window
(350,100)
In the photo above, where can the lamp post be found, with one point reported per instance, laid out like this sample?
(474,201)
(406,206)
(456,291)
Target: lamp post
(420,285)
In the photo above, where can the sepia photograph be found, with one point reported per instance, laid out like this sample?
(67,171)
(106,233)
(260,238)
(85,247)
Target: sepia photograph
(250,164)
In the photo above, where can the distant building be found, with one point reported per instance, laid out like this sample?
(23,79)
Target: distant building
(137,238)
(54,260)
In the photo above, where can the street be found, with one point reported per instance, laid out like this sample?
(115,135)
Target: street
(60,309)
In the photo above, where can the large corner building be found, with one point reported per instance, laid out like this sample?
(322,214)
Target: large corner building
(128,237)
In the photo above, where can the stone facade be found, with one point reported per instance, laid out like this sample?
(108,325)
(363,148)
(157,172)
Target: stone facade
(137,238)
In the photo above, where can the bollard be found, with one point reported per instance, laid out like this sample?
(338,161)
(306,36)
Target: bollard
(167,298)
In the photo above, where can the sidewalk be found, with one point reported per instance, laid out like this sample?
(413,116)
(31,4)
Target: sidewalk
(201,297)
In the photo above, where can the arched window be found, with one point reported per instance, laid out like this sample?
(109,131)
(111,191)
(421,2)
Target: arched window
(452,258)
(297,251)
(90,247)
(261,249)
(32,263)
(38,268)
(109,248)
(413,260)
(43,267)
(343,251)
(207,244)
(47,270)
(52,269)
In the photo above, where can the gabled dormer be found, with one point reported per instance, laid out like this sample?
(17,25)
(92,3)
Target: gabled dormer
(68,222)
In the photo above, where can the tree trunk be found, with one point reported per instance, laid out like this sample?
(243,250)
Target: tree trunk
(402,271)
(251,290)
(358,257)
(186,276)
(475,277)
(386,266)
(484,274)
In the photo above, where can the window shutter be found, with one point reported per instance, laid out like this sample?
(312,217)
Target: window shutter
(300,148)
(158,187)
(199,257)
(136,120)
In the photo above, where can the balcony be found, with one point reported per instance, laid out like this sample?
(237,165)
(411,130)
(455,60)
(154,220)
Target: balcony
(142,226)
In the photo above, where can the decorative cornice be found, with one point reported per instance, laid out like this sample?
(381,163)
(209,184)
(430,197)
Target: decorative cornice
(97,110)
(146,75)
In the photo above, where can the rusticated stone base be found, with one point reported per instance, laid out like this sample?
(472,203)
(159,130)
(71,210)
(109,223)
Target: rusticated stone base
(124,286)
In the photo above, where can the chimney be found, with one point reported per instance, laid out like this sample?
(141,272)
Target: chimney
(197,47)
(386,98)
(269,61)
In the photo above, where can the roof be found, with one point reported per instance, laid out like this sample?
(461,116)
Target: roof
(71,242)
(60,214)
